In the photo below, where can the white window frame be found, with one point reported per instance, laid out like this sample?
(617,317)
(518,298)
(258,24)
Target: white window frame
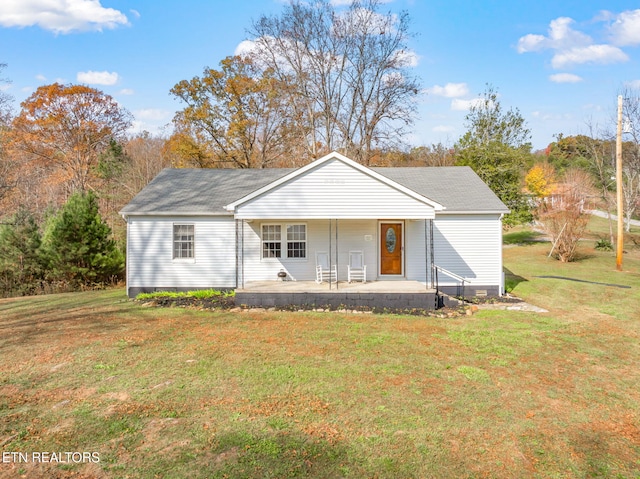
(287,241)
(190,258)
(263,241)
(284,242)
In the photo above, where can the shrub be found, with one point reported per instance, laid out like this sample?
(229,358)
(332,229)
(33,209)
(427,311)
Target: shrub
(603,244)
(562,215)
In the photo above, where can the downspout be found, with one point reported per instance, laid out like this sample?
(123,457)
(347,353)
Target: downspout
(126,256)
(330,254)
(242,253)
(237,253)
(337,255)
(501,291)
(426,257)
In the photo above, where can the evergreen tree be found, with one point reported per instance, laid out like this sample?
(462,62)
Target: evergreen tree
(21,266)
(112,161)
(78,244)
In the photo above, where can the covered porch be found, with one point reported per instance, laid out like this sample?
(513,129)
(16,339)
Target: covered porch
(309,224)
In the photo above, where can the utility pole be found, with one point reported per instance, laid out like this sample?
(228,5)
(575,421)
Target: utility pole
(620,241)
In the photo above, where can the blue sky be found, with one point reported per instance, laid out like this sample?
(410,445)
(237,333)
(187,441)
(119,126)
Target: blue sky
(561,63)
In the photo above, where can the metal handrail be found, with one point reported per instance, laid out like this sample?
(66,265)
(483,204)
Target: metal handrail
(453,275)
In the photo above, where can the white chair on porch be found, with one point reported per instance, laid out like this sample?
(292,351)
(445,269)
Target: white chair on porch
(325,272)
(357,270)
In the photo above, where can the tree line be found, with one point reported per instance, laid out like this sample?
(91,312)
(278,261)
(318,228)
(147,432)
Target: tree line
(312,79)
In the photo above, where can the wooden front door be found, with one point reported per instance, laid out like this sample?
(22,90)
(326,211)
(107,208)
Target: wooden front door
(390,248)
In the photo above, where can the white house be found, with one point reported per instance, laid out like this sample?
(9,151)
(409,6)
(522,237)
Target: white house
(230,228)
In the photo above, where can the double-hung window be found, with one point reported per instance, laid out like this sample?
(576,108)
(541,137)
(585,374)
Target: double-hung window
(271,241)
(183,241)
(284,241)
(296,241)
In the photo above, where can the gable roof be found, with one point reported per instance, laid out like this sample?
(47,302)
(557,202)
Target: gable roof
(343,159)
(206,192)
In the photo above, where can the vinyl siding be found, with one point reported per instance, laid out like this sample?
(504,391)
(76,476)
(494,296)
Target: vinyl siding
(334,190)
(469,246)
(415,252)
(351,236)
(150,262)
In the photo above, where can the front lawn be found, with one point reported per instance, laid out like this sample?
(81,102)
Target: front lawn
(179,393)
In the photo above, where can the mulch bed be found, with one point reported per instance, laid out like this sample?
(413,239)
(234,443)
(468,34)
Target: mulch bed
(228,303)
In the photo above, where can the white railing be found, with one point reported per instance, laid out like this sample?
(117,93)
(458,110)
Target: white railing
(451,274)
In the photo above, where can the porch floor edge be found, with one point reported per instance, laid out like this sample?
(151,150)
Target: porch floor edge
(397,299)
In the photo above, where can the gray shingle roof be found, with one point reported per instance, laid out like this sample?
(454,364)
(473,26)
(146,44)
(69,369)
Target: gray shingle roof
(199,191)
(457,188)
(207,191)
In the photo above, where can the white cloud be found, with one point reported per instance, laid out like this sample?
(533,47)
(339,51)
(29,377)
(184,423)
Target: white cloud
(450,90)
(565,78)
(60,16)
(561,36)
(443,129)
(407,58)
(601,54)
(126,91)
(538,115)
(572,47)
(98,78)
(625,30)
(152,114)
(464,105)
(41,77)
(245,47)
(153,120)
(634,84)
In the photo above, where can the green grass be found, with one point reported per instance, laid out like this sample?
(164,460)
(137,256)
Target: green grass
(521,236)
(172,393)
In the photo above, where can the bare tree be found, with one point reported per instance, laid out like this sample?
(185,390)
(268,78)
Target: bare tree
(350,70)
(148,155)
(631,154)
(7,166)
(434,155)
(600,155)
(562,215)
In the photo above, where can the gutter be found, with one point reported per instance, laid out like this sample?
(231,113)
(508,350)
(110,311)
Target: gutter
(127,214)
(474,212)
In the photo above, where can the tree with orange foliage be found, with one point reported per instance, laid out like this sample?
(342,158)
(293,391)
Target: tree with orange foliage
(236,116)
(67,127)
